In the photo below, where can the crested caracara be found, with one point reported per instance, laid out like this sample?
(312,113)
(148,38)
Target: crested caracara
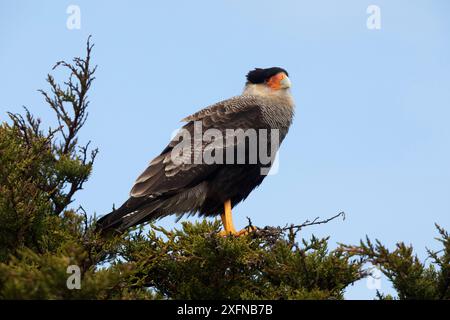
(180,181)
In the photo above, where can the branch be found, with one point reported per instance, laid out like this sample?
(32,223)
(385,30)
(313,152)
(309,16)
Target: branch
(70,103)
(275,232)
(316,221)
(74,94)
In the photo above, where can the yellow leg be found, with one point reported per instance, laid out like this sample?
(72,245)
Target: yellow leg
(227,221)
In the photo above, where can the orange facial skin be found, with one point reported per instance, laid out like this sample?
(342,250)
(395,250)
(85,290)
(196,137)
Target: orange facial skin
(274,81)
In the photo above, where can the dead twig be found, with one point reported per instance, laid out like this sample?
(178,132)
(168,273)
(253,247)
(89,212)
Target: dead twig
(273,233)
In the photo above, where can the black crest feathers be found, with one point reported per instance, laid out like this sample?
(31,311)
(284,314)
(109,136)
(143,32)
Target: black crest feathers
(260,75)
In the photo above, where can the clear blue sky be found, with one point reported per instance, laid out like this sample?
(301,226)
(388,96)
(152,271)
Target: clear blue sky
(371,134)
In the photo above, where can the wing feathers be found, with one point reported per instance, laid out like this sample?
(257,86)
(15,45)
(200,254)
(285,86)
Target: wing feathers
(169,172)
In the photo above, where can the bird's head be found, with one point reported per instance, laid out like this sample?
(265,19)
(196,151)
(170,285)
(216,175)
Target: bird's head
(266,81)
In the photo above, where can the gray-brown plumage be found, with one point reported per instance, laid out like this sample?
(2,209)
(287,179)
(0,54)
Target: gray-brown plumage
(169,186)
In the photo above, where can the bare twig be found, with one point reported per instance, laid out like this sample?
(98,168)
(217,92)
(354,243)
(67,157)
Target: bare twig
(316,221)
(274,233)
(85,220)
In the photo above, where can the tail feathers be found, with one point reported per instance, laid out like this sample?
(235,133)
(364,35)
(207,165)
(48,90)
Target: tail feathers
(126,217)
(111,222)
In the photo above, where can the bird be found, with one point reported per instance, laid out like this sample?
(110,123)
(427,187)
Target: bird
(175,184)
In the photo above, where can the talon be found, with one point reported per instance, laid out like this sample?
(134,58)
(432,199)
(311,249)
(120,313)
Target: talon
(246,231)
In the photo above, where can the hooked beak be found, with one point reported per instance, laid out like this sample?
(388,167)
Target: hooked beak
(285,83)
